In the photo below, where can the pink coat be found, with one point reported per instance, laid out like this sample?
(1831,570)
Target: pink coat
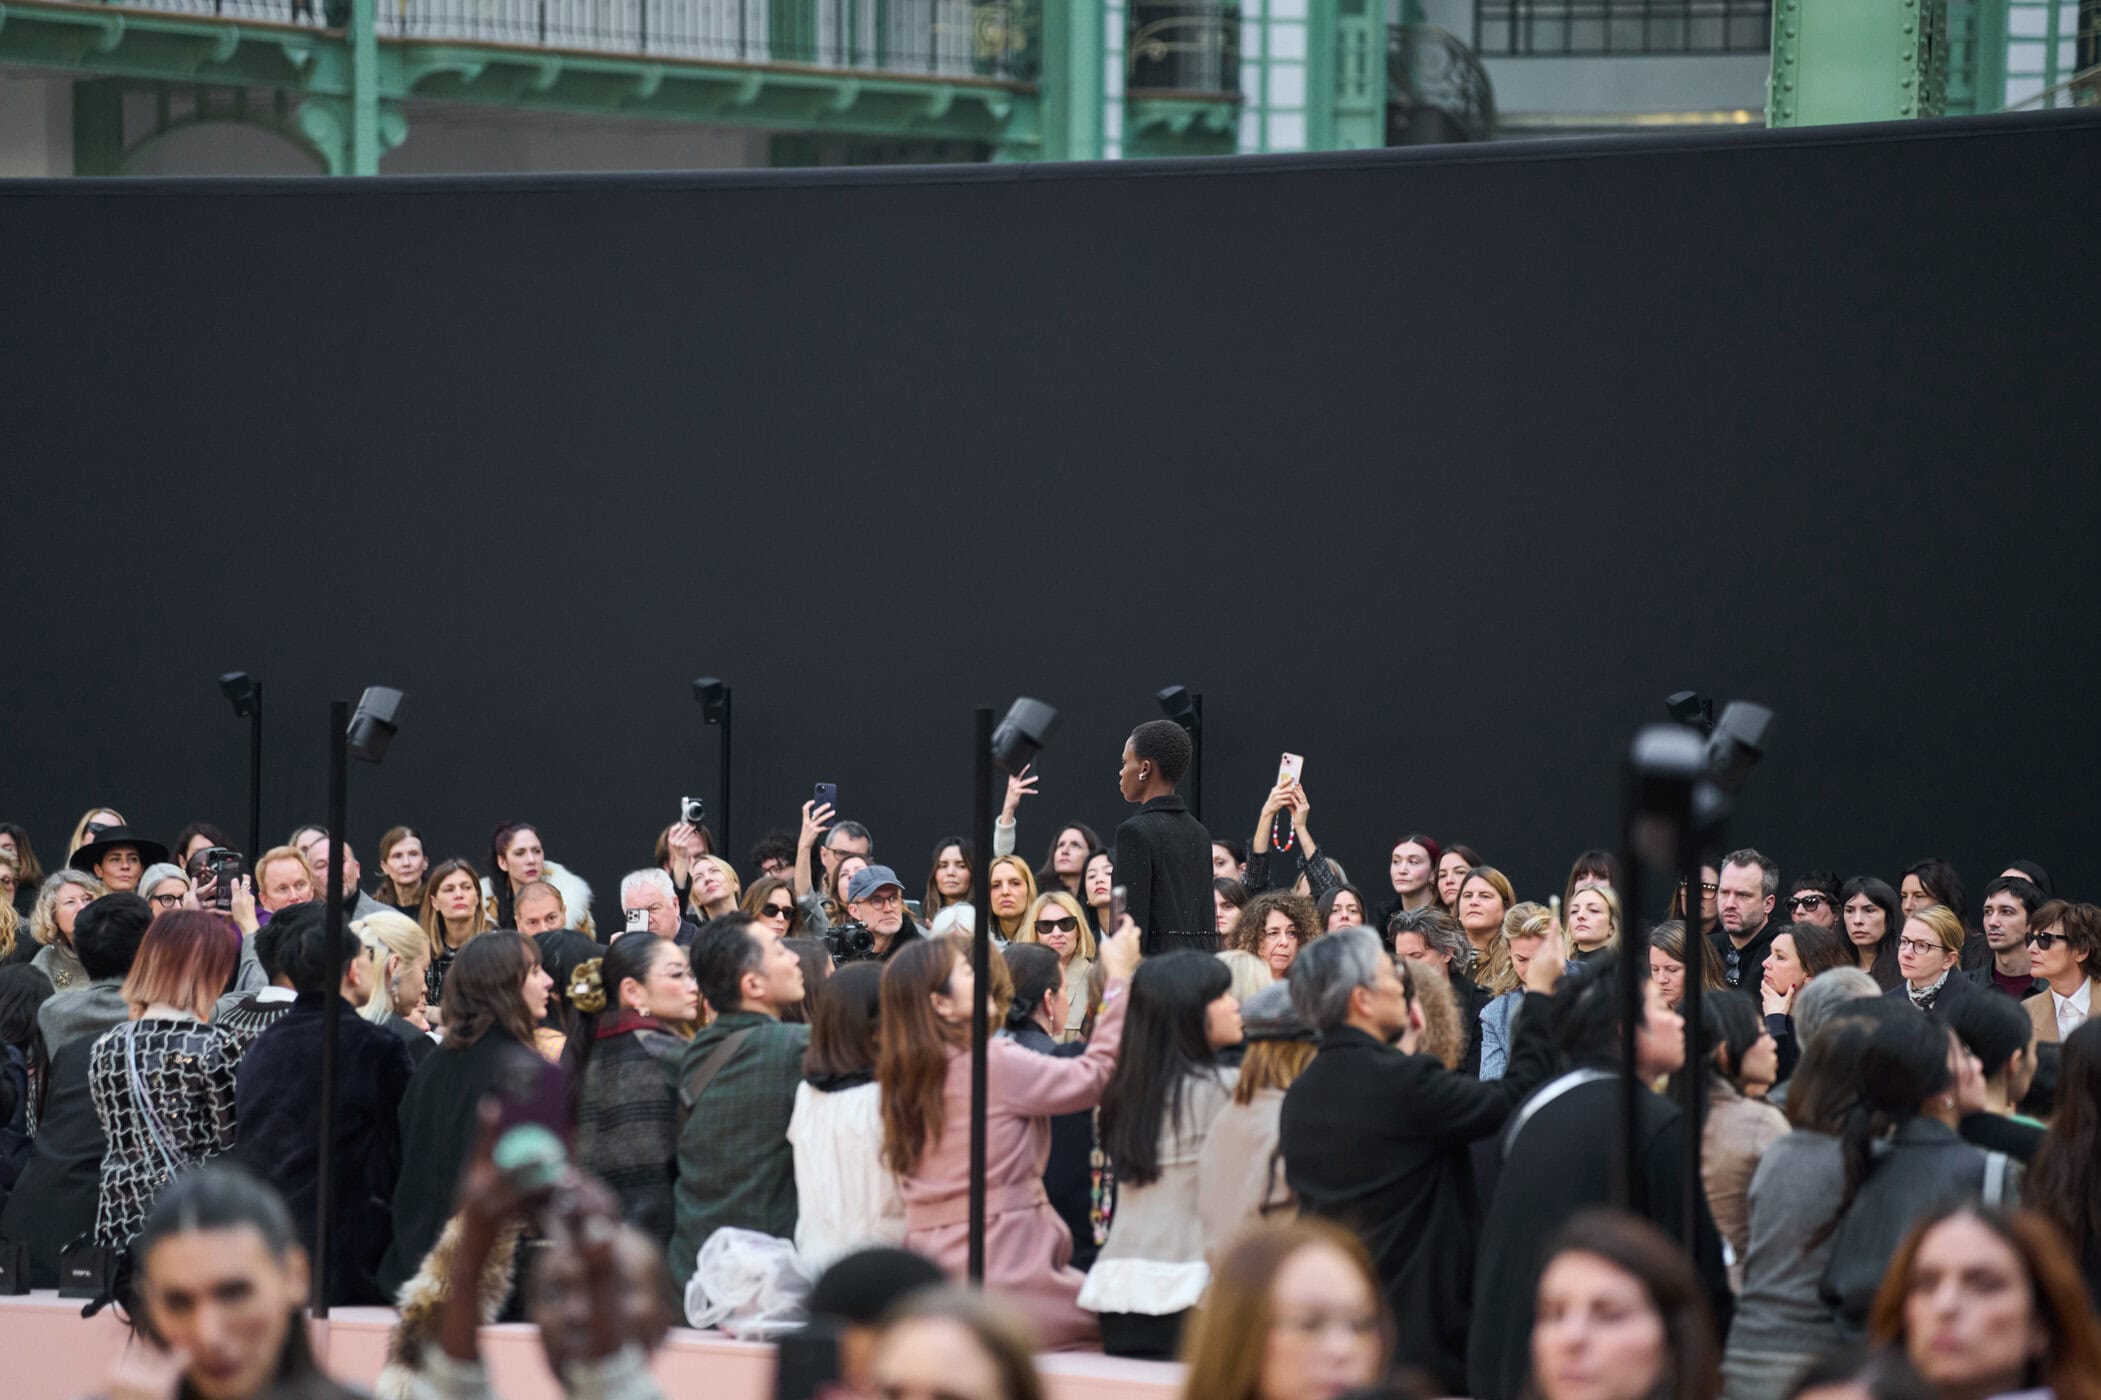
(1028,1250)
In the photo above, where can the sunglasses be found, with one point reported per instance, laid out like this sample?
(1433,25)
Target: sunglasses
(2045,941)
(1732,966)
(1807,901)
(1060,925)
(778,911)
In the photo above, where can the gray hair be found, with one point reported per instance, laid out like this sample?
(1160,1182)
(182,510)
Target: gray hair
(164,871)
(635,881)
(1769,867)
(1825,993)
(1328,969)
(1438,930)
(43,918)
(852,831)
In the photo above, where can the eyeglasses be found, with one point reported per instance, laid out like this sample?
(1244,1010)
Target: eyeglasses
(1807,901)
(778,911)
(2045,941)
(1919,948)
(1065,923)
(168,901)
(884,899)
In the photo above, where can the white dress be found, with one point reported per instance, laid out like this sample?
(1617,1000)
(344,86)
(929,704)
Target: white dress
(845,1198)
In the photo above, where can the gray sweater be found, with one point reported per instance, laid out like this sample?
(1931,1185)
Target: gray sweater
(86,1011)
(1793,1194)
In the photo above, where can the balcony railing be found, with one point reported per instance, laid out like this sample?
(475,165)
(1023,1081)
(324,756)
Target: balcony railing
(941,38)
(1507,28)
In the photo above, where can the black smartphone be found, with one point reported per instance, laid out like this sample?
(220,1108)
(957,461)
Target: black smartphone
(226,866)
(808,1364)
(825,795)
(534,1123)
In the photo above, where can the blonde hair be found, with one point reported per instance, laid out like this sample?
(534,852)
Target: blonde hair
(1945,925)
(1250,973)
(1083,945)
(1028,890)
(1224,1346)
(1271,1064)
(1612,912)
(79,837)
(10,922)
(729,875)
(275,854)
(1526,920)
(43,916)
(387,934)
(1444,1034)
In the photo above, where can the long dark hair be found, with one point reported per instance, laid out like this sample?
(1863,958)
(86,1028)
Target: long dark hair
(1634,1246)
(1943,884)
(1048,877)
(843,1018)
(2064,1179)
(484,990)
(222,1196)
(1036,975)
(1733,1026)
(499,878)
(1164,1047)
(935,901)
(1820,949)
(1878,893)
(1904,1064)
(911,1060)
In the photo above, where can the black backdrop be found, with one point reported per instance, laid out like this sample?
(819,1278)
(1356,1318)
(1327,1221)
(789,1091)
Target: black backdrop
(1441,467)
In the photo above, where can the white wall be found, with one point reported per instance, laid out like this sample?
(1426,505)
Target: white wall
(36,125)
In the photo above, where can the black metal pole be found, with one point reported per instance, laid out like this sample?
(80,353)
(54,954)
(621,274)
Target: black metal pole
(1630,1183)
(1692,1083)
(255,774)
(331,1032)
(722,753)
(1196,756)
(981,972)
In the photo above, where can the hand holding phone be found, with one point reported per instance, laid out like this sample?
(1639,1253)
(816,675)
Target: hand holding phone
(1291,768)
(825,795)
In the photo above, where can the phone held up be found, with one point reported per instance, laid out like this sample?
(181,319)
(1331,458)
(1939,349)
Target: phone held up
(533,1124)
(1290,768)
(825,795)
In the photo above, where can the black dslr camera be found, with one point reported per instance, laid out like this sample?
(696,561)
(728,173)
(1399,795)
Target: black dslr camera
(850,942)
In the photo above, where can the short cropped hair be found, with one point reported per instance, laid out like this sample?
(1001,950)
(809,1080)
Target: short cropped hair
(1165,745)
(2080,923)
(1328,969)
(723,953)
(2024,892)
(1771,867)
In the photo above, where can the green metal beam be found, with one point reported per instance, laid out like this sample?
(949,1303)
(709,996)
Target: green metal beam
(364,89)
(1857,61)
(98,127)
(1357,86)
(1075,50)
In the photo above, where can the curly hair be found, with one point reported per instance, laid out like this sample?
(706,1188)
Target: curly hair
(1444,1034)
(1247,929)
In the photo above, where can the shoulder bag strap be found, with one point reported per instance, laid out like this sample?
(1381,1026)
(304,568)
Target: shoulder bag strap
(154,1127)
(1574,1079)
(704,1073)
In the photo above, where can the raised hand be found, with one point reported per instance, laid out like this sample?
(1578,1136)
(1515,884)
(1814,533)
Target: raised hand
(1019,785)
(815,820)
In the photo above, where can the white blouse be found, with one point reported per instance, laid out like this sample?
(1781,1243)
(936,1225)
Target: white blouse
(845,1198)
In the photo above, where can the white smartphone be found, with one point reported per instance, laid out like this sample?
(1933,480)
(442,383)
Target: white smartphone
(1290,768)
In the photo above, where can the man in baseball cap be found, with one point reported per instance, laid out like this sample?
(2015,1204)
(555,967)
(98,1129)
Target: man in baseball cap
(876,897)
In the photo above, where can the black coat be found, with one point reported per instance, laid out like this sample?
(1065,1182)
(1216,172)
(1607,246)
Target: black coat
(53,1202)
(277,1104)
(1378,1140)
(1951,991)
(1163,860)
(1068,1178)
(1561,1163)
(562,951)
(438,1124)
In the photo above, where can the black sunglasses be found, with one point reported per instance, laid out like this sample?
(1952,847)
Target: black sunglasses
(2045,941)
(1807,901)
(778,911)
(1066,924)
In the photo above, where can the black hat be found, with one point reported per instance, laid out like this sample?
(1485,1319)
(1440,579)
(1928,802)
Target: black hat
(150,852)
(1269,1015)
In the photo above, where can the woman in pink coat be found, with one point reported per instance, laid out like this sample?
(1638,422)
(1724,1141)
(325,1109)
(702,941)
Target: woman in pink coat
(924,1071)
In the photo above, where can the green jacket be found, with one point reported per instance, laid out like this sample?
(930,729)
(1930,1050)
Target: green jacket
(735,1167)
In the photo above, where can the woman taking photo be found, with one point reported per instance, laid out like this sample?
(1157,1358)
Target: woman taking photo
(1274,926)
(58,904)
(1740,1125)
(1667,964)
(1869,912)
(1294,1313)
(848,1199)
(1593,921)
(402,866)
(163,1082)
(1156,1111)
(948,877)
(452,914)
(637,1007)
(1013,894)
(1620,1316)
(516,859)
(1485,896)
(221,1283)
(1055,921)
(923,1068)
(2064,1179)
(1988,1303)
(495,998)
(399,955)
(1929,954)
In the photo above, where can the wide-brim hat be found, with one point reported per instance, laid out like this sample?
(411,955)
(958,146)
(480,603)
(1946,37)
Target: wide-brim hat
(150,852)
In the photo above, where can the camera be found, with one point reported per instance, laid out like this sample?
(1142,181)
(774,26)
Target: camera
(225,866)
(692,811)
(850,943)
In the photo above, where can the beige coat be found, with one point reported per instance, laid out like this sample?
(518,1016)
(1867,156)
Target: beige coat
(1738,1132)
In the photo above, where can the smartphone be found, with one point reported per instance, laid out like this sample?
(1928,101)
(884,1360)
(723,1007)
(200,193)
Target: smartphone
(1290,767)
(1554,907)
(807,1364)
(226,866)
(533,1125)
(1119,897)
(825,795)
(637,922)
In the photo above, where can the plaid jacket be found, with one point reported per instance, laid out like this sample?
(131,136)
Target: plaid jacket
(735,1166)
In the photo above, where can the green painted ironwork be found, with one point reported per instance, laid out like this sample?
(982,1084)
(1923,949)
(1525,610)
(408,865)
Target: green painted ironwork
(1356,81)
(1857,61)
(1075,55)
(1976,56)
